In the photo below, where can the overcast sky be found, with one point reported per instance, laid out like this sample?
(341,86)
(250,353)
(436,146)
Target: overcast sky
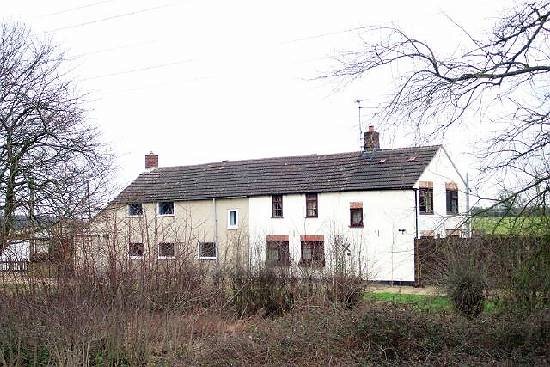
(200,81)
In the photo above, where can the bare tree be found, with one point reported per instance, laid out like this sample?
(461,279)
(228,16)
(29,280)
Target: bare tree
(52,163)
(504,76)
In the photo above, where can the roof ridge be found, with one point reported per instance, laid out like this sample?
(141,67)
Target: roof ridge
(290,157)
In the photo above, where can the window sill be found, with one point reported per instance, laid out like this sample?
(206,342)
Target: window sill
(272,217)
(232,228)
(311,216)
(207,258)
(357,226)
(135,257)
(166,257)
(134,216)
(426,213)
(165,215)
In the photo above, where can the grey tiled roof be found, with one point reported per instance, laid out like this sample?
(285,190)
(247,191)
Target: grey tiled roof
(378,170)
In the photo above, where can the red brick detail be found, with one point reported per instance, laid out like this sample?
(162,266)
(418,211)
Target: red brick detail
(312,237)
(451,186)
(426,184)
(356,205)
(427,233)
(151,160)
(276,238)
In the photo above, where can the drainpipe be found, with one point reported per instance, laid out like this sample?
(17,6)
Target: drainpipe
(216,229)
(468,213)
(416,210)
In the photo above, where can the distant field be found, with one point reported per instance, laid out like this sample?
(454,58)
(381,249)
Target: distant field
(512,225)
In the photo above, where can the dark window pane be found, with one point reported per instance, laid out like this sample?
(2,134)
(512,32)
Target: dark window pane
(135,249)
(277,206)
(135,209)
(356,217)
(207,249)
(311,205)
(277,253)
(452,202)
(313,253)
(166,208)
(425,202)
(166,249)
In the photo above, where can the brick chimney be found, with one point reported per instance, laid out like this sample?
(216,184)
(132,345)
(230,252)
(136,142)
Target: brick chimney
(151,161)
(372,139)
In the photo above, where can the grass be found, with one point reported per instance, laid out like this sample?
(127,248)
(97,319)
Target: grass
(421,302)
(511,225)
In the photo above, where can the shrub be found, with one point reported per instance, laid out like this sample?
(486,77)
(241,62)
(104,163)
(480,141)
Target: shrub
(345,290)
(268,290)
(466,288)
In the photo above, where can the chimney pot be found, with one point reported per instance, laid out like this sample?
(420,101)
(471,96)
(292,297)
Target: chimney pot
(371,139)
(151,161)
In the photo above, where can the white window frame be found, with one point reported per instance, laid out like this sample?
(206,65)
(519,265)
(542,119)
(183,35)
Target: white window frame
(166,215)
(206,257)
(229,226)
(165,257)
(135,215)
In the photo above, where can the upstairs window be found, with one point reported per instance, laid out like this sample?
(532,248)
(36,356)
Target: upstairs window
(135,250)
(311,205)
(277,206)
(207,250)
(165,208)
(232,219)
(277,253)
(135,209)
(313,253)
(356,214)
(425,200)
(452,201)
(167,250)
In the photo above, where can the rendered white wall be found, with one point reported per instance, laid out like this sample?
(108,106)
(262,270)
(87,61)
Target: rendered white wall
(379,249)
(439,171)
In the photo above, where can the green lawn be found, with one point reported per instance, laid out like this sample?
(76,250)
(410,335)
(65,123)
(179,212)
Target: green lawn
(420,302)
(512,225)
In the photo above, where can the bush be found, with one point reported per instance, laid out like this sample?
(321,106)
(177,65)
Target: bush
(268,290)
(466,288)
(345,290)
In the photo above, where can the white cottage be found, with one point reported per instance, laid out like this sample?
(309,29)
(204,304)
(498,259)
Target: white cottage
(362,210)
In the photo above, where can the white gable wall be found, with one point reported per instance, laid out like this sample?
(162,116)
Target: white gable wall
(440,171)
(378,249)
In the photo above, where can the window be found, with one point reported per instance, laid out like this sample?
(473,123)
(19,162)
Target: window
(356,217)
(135,250)
(135,209)
(452,201)
(166,250)
(425,205)
(313,253)
(232,219)
(207,250)
(277,253)
(277,206)
(166,208)
(311,205)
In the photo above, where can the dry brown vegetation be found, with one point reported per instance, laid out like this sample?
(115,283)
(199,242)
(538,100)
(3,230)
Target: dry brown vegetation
(185,316)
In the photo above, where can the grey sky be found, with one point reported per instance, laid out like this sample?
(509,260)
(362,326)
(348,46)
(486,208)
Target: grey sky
(198,81)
